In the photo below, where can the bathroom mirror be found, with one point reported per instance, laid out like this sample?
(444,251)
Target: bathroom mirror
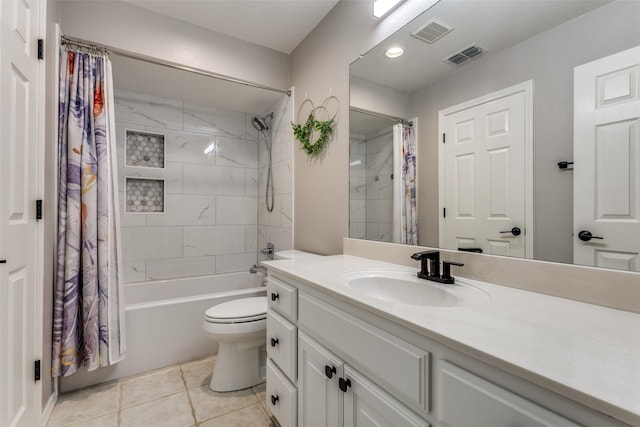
(490,72)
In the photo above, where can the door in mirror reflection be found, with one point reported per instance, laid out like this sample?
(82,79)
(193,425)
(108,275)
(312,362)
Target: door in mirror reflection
(607,162)
(483,163)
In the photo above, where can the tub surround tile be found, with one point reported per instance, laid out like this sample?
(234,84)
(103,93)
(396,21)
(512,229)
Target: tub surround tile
(217,240)
(198,372)
(236,152)
(188,147)
(183,209)
(251,182)
(218,121)
(170,411)
(173,268)
(253,416)
(85,404)
(129,220)
(282,173)
(151,386)
(148,110)
(209,404)
(235,262)
(134,271)
(251,238)
(213,180)
(236,210)
(151,242)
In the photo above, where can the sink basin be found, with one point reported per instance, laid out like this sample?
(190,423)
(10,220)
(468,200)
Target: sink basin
(403,287)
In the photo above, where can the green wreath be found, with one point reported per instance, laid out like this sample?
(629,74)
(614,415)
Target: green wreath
(303,134)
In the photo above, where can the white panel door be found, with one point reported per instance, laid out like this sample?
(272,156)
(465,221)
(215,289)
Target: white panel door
(607,162)
(483,162)
(319,398)
(18,171)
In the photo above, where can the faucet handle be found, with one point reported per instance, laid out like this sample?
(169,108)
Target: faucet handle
(446,271)
(423,255)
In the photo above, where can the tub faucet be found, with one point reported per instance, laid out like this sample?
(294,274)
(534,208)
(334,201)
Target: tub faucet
(268,252)
(430,267)
(255,268)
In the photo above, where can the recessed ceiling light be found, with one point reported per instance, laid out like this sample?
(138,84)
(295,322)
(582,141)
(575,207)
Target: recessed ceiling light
(382,7)
(394,52)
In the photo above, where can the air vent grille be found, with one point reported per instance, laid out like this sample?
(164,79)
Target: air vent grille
(465,54)
(431,31)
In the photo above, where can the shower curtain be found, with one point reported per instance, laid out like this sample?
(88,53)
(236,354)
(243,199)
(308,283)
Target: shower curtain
(405,220)
(88,323)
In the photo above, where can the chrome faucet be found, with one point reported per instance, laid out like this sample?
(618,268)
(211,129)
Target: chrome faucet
(269,251)
(430,267)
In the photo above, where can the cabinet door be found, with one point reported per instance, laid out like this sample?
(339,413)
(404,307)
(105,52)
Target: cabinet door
(319,397)
(366,405)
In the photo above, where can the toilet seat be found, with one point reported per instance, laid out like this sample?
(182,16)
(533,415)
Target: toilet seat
(242,310)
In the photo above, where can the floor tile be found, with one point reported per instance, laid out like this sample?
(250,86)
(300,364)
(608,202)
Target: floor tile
(170,411)
(150,386)
(85,404)
(198,373)
(109,420)
(252,416)
(209,404)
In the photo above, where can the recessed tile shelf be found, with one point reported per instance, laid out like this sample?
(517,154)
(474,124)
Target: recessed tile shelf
(144,195)
(144,149)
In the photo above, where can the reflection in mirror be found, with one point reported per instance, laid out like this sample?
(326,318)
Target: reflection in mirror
(503,93)
(382,176)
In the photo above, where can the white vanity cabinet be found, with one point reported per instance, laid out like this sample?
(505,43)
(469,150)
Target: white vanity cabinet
(354,368)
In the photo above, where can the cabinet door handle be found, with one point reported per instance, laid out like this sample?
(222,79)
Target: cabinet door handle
(3,261)
(274,399)
(344,384)
(274,296)
(329,371)
(274,342)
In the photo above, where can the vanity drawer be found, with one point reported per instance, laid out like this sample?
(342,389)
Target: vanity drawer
(281,396)
(282,298)
(468,400)
(282,340)
(399,366)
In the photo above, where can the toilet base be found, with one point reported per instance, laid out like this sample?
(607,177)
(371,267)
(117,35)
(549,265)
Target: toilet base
(238,366)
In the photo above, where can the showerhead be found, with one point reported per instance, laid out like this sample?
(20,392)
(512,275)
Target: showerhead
(260,123)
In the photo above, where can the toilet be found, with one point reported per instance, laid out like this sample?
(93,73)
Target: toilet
(240,327)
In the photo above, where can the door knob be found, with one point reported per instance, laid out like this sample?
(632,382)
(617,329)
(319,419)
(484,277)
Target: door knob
(329,371)
(515,231)
(585,236)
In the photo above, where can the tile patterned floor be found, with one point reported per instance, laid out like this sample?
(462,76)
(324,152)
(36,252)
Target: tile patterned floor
(177,396)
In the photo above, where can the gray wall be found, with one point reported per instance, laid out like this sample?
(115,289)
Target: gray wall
(548,59)
(320,67)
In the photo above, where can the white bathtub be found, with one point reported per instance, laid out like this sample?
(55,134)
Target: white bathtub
(164,323)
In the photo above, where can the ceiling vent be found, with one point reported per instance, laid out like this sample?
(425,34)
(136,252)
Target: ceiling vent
(465,54)
(431,31)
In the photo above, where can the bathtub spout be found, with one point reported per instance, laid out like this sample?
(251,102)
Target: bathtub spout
(258,268)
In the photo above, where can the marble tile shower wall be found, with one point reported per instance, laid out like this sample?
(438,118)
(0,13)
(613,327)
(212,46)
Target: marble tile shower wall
(379,193)
(211,190)
(357,185)
(277,226)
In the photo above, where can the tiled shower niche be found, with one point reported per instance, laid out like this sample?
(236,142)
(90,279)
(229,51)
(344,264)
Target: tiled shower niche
(144,195)
(144,149)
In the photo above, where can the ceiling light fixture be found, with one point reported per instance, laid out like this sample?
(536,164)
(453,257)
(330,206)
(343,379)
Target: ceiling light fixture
(382,7)
(394,52)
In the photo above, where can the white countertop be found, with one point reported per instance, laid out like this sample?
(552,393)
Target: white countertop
(588,353)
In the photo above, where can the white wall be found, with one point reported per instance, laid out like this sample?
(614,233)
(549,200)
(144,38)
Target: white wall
(371,96)
(320,67)
(122,25)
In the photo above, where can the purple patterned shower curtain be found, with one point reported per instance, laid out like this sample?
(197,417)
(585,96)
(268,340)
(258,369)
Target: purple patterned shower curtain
(88,319)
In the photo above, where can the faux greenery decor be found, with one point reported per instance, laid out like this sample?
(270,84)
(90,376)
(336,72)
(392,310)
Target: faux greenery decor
(303,134)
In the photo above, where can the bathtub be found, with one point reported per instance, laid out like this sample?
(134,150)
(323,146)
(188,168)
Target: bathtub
(164,323)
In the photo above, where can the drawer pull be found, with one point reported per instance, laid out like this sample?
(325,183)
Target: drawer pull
(329,371)
(344,384)
(274,399)
(274,342)
(274,296)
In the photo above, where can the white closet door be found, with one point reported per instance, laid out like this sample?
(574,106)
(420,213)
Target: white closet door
(607,162)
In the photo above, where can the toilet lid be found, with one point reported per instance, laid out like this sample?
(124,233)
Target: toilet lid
(238,310)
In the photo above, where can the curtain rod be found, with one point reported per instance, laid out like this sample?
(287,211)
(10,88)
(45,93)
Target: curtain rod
(72,41)
(382,116)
